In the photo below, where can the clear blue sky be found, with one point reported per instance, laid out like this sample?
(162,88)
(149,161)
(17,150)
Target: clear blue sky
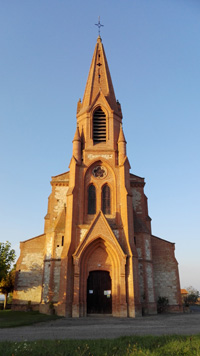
(153,51)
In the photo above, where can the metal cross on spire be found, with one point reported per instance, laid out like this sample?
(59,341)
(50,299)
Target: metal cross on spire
(99,25)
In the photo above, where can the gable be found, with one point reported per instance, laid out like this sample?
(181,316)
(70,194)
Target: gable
(99,229)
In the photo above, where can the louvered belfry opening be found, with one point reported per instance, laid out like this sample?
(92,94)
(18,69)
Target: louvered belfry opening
(99,126)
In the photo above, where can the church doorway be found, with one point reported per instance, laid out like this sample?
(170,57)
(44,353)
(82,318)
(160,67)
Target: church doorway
(99,298)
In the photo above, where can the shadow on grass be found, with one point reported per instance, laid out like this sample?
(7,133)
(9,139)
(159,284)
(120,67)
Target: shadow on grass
(10,318)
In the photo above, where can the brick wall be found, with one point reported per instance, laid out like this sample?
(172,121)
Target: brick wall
(29,271)
(166,277)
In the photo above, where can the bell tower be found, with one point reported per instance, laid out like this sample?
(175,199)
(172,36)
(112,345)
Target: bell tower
(99,232)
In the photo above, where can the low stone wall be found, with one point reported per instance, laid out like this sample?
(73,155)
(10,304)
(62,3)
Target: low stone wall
(25,307)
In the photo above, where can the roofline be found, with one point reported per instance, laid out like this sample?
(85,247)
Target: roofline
(58,175)
(159,238)
(131,174)
(32,238)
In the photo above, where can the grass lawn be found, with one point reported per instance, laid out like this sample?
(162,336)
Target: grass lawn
(10,318)
(124,346)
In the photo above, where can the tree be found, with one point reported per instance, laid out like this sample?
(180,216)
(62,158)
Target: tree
(192,297)
(7,276)
(7,258)
(7,285)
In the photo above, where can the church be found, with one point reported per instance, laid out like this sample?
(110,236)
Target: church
(97,254)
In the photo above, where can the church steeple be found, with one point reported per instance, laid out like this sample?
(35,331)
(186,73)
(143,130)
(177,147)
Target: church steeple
(99,81)
(99,114)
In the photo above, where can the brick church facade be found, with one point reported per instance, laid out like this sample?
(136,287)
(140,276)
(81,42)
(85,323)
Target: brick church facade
(97,254)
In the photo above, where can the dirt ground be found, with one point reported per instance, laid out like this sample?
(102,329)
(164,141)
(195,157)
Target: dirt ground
(105,327)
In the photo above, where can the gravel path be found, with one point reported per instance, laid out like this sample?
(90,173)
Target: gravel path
(110,327)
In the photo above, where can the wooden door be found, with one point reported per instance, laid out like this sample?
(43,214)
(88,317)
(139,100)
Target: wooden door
(99,298)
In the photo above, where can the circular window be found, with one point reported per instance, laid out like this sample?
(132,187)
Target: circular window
(99,172)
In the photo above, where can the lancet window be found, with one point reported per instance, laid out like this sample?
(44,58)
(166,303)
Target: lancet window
(91,199)
(106,206)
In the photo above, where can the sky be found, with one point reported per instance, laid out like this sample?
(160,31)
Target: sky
(153,52)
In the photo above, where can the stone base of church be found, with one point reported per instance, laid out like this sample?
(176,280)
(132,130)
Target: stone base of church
(175,309)
(78,311)
(44,308)
(63,309)
(134,310)
(121,312)
(75,311)
(25,307)
(149,309)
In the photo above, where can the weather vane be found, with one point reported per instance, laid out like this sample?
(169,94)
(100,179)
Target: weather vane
(99,25)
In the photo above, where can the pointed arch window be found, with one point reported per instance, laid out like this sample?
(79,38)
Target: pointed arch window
(99,126)
(106,206)
(91,199)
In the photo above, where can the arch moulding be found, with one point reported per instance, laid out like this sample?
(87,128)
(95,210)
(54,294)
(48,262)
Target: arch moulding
(101,253)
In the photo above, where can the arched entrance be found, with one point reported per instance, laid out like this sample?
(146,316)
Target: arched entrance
(99,254)
(99,298)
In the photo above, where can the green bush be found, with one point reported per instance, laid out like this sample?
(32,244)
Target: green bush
(162,304)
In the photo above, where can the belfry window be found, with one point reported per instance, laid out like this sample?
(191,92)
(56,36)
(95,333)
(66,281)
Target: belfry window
(106,199)
(91,199)
(99,126)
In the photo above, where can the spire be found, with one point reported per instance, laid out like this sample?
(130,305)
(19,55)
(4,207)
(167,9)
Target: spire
(99,80)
